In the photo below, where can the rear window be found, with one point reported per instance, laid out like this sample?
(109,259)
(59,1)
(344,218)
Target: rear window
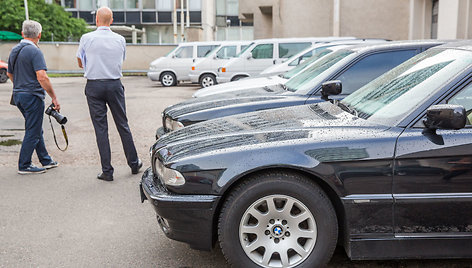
(286,50)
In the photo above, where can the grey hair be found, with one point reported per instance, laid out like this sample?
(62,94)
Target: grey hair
(31,28)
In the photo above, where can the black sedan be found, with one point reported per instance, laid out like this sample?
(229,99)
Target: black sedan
(386,173)
(355,67)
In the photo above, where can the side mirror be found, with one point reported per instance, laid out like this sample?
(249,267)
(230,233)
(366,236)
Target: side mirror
(215,57)
(328,88)
(173,56)
(193,60)
(249,56)
(445,116)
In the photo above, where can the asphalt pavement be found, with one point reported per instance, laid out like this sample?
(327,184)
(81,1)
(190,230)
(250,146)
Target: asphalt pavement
(68,218)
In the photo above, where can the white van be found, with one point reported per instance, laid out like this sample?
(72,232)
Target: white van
(264,53)
(204,70)
(176,65)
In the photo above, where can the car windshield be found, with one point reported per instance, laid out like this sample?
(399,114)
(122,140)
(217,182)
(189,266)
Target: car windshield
(170,52)
(305,81)
(245,49)
(318,54)
(210,52)
(390,97)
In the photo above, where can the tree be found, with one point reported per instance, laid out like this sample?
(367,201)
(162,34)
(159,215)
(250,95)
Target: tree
(56,22)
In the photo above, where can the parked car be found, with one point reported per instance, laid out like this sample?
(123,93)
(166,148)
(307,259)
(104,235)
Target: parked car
(307,53)
(264,53)
(3,71)
(317,51)
(354,66)
(176,65)
(255,82)
(385,173)
(204,70)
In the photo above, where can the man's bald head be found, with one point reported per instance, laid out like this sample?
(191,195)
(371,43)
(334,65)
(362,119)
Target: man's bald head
(104,16)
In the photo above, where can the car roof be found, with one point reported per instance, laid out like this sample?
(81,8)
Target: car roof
(397,45)
(463,44)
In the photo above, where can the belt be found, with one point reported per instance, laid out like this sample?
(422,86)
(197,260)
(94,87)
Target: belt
(103,80)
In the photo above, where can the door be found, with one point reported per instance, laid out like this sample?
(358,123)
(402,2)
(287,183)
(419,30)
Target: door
(433,179)
(182,62)
(262,57)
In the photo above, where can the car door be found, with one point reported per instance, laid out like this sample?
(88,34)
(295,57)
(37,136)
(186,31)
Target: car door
(182,62)
(262,57)
(432,184)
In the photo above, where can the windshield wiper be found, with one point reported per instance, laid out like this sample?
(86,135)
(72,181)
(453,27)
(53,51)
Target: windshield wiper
(347,108)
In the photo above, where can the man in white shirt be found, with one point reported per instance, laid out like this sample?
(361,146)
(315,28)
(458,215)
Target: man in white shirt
(101,54)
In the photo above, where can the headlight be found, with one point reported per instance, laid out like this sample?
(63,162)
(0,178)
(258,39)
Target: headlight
(173,124)
(151,67)
(168,176)
(176,125)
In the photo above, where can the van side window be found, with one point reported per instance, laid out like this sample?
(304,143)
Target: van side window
(263,51)
(464,98)
(370,67)
(286,50)
(184,52)
(226,52)
(202,51)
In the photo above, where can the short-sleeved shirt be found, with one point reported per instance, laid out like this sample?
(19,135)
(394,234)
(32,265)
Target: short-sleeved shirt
(30,59)
(102,53)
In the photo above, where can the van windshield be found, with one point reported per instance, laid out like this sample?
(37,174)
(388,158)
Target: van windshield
(170,52)
(245,49)
(226,52)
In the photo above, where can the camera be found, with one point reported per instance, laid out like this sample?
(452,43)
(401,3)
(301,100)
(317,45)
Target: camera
(59,117)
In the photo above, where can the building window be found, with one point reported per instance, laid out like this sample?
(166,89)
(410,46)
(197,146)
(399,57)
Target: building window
(117,4)
(70,4)
(165,17)
(85,5)
(149,4)
(132,4)
(165,5)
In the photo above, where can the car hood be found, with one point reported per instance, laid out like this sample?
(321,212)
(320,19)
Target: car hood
(239,85)
(238,97)
(317,124)
(157,61)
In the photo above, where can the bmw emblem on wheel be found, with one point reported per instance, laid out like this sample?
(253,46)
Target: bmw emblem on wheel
(277,230)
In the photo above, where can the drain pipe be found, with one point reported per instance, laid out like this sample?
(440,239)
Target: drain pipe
(182,25)
(174,22)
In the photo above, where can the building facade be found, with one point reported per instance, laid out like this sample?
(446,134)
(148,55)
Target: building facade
(167,21)
(390,19)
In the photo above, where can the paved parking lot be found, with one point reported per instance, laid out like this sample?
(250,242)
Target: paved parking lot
(67,218)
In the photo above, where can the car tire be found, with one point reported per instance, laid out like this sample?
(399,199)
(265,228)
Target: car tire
(208,80)
(3,76)
(238,77)
(248,228)
(168,79)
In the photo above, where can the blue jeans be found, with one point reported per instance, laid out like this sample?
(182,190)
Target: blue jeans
(32,108)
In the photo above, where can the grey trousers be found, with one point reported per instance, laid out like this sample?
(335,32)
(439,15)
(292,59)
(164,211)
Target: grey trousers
(101,93)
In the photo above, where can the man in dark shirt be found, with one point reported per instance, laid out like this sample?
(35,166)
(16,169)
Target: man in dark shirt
(27,70)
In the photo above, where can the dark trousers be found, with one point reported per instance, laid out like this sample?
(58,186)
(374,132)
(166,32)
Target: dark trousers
(32,109)
(101,93)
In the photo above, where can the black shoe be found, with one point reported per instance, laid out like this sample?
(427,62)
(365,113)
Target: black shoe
(135,169)
(105,177)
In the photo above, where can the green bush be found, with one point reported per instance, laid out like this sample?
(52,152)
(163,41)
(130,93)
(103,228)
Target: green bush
(54,19)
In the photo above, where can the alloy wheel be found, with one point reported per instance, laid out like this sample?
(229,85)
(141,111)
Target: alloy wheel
(277,231)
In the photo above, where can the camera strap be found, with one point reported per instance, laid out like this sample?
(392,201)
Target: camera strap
(63,133)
